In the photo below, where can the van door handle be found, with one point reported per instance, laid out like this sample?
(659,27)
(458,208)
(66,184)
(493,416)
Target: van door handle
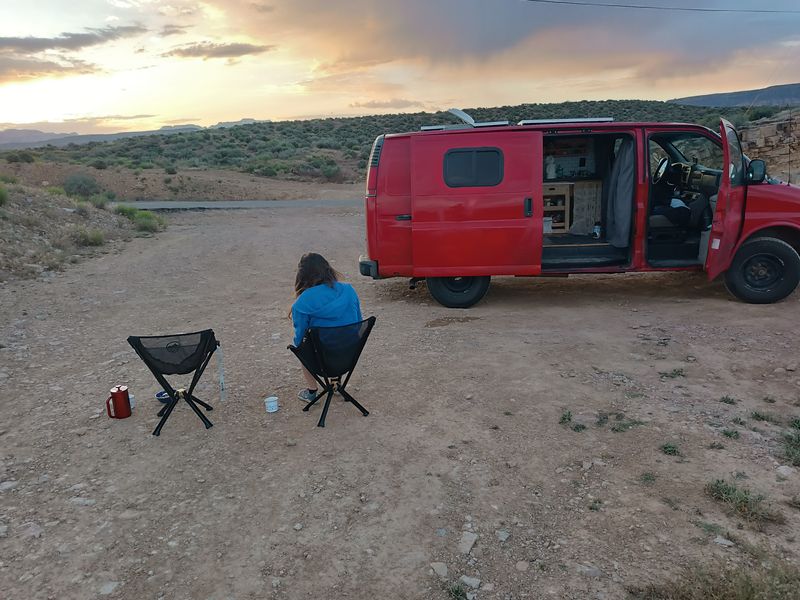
(528,207)
(402,218)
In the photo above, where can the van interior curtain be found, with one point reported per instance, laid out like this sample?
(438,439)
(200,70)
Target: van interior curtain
(619,209)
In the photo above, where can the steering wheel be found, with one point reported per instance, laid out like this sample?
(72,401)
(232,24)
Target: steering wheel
(661,170)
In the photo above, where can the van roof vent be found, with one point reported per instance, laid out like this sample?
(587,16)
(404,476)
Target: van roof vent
(548,121)
(467,121)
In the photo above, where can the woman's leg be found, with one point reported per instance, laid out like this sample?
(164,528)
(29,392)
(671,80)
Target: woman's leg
(310,381)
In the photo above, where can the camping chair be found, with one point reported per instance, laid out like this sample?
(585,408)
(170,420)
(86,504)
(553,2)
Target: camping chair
(178,354)
(330,354)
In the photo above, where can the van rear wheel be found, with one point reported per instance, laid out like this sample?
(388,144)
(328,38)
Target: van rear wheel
(458,292)
(764,270)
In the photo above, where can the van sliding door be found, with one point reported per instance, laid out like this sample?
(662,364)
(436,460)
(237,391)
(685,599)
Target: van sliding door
(477,203)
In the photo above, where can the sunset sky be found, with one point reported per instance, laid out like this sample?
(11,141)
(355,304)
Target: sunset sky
(113,65)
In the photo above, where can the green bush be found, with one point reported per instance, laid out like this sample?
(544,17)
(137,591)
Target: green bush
(3,195)
(147,221)
(8,179)
(55,190)
(89,237)
(82,185)
(170,170)
(98,200)
(21,156)
(129,212)
(82,209)
(99,164)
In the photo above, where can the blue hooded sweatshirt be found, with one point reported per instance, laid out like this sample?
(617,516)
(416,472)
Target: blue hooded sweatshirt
(325,306)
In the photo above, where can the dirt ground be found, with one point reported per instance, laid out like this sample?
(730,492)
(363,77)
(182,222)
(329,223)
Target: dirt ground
(463,436)
(156,184)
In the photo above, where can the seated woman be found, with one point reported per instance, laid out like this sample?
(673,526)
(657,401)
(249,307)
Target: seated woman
(322,301)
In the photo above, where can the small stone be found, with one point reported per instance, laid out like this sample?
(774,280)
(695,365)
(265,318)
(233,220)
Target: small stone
(487,587)
(587,464)
(81,431)
(291,443)
(440,569)
(441,532)
(108,588)
(469,396)
(522,566)
(468,540)
(32,530)
(779,371)
(723,541)
(691,359)
(472,582)
(3,531)
(589,571)
(8,485)
(785,471)
(502,535)
(81,501)
(298,526)
(792,367)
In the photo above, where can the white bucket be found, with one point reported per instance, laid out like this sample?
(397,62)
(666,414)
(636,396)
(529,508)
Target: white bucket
(548,225)
(271,404)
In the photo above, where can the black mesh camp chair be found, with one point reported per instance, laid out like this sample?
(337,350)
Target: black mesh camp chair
(179,354)
(330,354)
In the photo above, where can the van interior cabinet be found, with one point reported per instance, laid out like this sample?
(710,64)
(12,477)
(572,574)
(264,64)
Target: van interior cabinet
(585,207)
(557,198)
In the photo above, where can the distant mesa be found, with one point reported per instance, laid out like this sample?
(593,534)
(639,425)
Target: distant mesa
(776,95)
(15,139)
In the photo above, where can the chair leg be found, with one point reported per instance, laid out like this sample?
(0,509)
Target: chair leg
(353,401)
(201,403)
(325,408)
(314,401)
(198,412)
(164,413)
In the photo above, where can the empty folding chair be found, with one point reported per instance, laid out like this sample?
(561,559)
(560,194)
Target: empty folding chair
(330,354)
(178,354)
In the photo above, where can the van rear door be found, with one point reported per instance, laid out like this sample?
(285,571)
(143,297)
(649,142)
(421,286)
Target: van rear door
(477,203)
(728,215)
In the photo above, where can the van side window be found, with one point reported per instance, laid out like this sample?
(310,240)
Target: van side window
(473,167)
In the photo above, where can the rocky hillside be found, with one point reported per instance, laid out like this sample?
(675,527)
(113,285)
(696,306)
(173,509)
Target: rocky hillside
(776,95)
(336,149)
(43,231)
(777,141)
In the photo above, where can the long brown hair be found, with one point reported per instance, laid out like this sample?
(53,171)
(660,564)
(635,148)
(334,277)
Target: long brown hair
(313,270)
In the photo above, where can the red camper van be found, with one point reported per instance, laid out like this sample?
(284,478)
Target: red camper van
(458,204)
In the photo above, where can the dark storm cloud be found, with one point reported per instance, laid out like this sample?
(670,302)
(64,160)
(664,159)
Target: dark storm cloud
(208,50)
(69,41)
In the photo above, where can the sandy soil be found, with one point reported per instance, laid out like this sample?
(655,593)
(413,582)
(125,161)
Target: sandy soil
(155,184)
(463,435)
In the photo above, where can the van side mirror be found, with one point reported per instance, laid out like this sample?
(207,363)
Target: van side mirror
(756,171)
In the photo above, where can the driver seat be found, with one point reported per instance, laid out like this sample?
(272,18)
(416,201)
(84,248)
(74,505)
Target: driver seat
(697,209)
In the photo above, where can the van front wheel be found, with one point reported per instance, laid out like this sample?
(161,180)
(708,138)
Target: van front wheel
(764,270)
(458,292)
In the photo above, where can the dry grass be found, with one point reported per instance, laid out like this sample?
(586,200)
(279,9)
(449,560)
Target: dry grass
(775,582)
(743,502)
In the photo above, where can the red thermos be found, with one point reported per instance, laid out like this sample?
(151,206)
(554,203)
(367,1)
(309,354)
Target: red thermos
(118,404)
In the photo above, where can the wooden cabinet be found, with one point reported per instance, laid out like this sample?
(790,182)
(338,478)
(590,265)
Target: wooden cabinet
(557,198)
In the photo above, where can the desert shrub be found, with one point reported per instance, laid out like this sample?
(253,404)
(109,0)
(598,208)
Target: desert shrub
(3,195)
(170,170)
(99,164)
(129,212)
(98,200)
(145,220)
(82,185)
(8,179)
(82,209)
(89,237)
(21,156)
(55,190)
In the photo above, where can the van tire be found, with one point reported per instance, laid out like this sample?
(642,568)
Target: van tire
(458,292)
(764,270)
